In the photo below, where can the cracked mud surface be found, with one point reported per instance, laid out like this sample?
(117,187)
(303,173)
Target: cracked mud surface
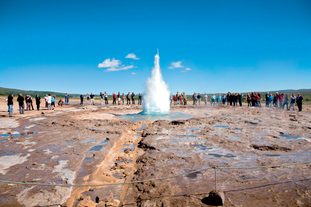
(94,146)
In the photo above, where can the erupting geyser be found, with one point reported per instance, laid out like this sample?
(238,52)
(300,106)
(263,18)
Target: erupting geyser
(156,96)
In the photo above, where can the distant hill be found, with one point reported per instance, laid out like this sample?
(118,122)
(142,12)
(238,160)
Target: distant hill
(7,91)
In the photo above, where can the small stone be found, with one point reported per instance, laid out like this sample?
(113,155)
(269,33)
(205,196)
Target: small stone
(116,203)
(34,163)
(109,204)
(91,189)
(215,198)
(42,112)
(87,203)
(84,197)
(127,151)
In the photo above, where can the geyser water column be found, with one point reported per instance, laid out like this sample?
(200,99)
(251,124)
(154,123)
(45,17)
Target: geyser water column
(157,95)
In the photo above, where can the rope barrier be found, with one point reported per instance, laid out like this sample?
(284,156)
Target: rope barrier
(154,179)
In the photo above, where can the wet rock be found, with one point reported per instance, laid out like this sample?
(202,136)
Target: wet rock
(87,203)
(116,202)
(101,204)
(84,197)
(215,198)
(42,112)
(127,151)
(270,148)
(178,122)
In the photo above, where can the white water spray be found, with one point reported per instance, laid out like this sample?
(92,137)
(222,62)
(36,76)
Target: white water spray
(157,95)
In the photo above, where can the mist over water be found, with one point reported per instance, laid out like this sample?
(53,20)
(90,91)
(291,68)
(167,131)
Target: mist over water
(157,95)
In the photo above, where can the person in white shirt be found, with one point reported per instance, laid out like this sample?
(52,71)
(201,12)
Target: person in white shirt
(49,101)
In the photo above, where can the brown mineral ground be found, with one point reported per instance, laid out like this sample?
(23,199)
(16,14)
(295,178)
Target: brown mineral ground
(107,154)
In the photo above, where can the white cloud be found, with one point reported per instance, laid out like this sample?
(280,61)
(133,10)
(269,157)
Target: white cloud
(114,65)
(186,70)
(107,63)
(176,65)
(120,68)
(133,73)
(132,56)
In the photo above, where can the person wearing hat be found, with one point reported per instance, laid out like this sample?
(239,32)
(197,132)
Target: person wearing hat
(299,100)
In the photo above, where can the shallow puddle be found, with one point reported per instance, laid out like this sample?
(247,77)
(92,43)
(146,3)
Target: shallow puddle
(271,155)
(221,126)
(193,128)
(201,147)
(96,148)
(142,127)
(142,117)
(88,141)
(88,160)
(238,129)
(286,136)
(104,142)
(188,135)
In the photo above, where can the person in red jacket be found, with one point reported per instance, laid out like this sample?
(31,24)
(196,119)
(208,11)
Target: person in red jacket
(281,100)
(175,100)
(114,98)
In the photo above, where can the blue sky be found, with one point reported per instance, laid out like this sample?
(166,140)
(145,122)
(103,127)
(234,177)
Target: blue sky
(205,46)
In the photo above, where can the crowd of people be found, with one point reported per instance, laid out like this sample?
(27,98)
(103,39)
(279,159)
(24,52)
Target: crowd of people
(130,98)
(28,102)
(278,100)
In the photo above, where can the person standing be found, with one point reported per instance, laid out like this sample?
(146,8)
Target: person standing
(199,98)
(205,99)
(114,98)
(277,100)
(49,101)
(10,104)
(267,99)
(81,100)
(285,102)
(133,98)
(31,102)
(175,99)
(139,99)
(92,99)
(213,100)
(185,98)
(177,95)
(219,99)
(119,98)
(249,99)
(128,98)
(223,99)
(46,101)
(28,104)
(292,102)
(171,98)
(271,100)
(20,100)
(228,98)
(87,96)
(281,100)
(66,99)
(38,101)
(101,98)
(259,102)
(235,99)
(240,96)
(123,98)
(106,98)
(299,101)
(53,102)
